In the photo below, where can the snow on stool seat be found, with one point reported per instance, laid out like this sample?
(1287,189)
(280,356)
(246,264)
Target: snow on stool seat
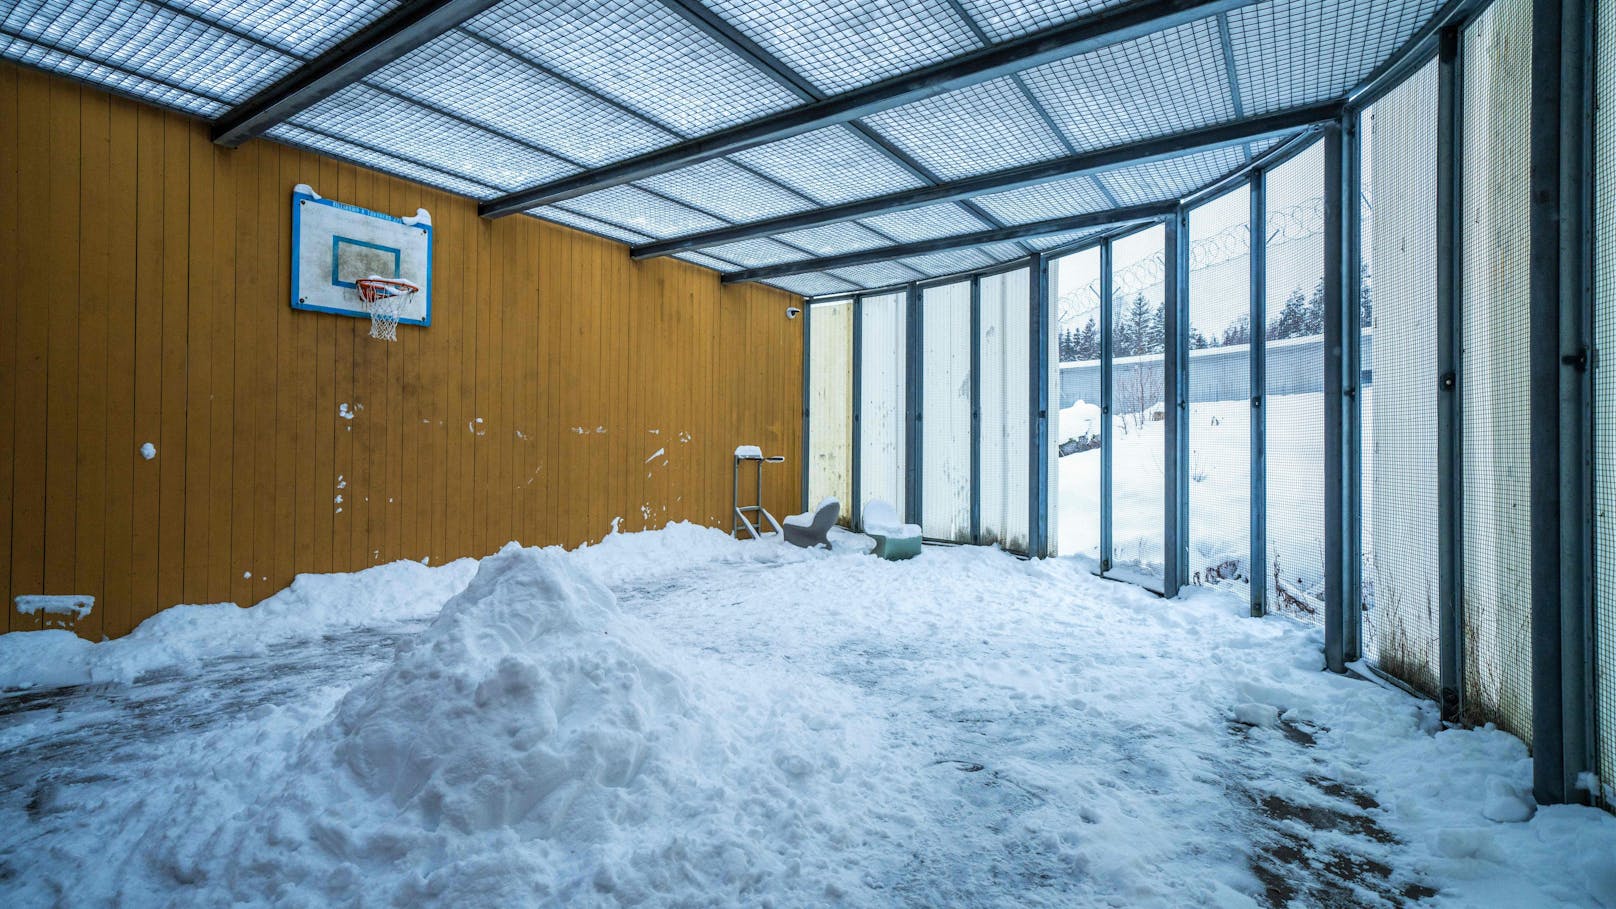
(894,540)
(811,528)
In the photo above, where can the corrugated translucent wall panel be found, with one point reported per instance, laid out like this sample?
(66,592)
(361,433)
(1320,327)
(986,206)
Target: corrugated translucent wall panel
(1495,387)
(1398,393)
(830,405)
(1138,364)
(882,411)
(1220,393)
(1074,283)
(1605,401)
(1294,370)
(1006,430)
(945,467)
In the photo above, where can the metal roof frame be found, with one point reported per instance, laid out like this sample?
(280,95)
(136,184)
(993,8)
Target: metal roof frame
(405,28)
(1089,33)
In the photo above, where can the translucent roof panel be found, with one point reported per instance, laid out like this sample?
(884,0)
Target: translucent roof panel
(842,45)
(949,262)
(1172,178)
(640,54)
(758,252)
(1004,252)
(115,80)
(638,210)
(835,239)
(432,138)
(368,156)
(473,79)
(298,27)
(1006,19)
(812,285)
(926,223)
(881,274)
(987,127)
(696,258)
(728,190)
(829,165)
(1057,199)
(1156,85)
(1293,52)
(151,42)
(573,219)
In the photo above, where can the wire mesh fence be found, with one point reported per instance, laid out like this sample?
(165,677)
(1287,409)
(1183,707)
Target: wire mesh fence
(1219,393)
(1138,426)
(945,500)
(883,405)
(1495,393)
(1006,429)
(1605,403)
(1293,405)
(830,404)
(1398,388)
(1074,286)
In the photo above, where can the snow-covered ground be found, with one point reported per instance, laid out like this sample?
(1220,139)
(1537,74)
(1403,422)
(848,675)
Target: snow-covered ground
(676,718)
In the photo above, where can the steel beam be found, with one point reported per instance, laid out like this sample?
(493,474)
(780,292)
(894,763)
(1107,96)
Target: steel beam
(1258,504)
(406,28)
(807,377)
(1560,395)
(1089,33)
(1336,650)
(1152,211)
(976,409)
(1106,428)
(914,388)
(1085,164)
(855,515)
(1038,408)
(1175,398)
(1449,414)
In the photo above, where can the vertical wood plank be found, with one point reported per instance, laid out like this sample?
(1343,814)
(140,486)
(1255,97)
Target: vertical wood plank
(123,220)
(10,196)
(147,380)
(61,300)
(224,566)
(201,362)
(94,242)
(174,444)
(253,398)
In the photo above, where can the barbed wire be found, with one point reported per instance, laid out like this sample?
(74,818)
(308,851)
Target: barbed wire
(1297,222)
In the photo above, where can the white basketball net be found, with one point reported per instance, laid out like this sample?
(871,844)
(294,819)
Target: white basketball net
(385,303)
(384,314)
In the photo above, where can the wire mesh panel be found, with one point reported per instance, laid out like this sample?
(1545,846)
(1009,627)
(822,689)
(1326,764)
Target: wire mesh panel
(1293,403)
(945,468)
(1138,425)
(1605,404)
(1398,388)
(882,402)
(1074,283)
(830,404)
(1005,399)
(1219,371)
(1495,393)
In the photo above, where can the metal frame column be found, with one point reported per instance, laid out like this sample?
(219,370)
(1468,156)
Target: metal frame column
(1038,407)
(1559,358)
(855,512)
(807,351)
(1258,244)
(1449,346)
(1175,387)
(976,409)
(1339,401)
(1106,429)
(914,387)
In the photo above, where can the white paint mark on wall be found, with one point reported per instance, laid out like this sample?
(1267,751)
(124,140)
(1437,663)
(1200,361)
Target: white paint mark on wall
(657,454)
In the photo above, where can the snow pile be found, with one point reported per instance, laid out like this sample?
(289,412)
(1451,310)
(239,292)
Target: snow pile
(532,744)
(77,606)
(749,452)
(184,634)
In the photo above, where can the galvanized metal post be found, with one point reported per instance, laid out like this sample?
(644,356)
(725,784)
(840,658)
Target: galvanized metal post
(1038,405)
(807,375)
(1175,453)
(1352,381)
(1106,553)
(1449,415)
(855,512)
(1259,370)
(914,392)
(976,409)
(1335,387)
(1559,358)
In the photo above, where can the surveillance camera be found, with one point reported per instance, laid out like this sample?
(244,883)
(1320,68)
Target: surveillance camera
(792,312)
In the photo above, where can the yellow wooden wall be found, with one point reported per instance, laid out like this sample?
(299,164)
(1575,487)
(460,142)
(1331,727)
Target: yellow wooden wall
(143,298)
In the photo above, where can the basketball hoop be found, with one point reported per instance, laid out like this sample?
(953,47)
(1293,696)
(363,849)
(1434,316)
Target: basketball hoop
(385,299)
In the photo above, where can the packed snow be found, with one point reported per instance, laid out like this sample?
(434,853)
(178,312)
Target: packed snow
(679,718)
